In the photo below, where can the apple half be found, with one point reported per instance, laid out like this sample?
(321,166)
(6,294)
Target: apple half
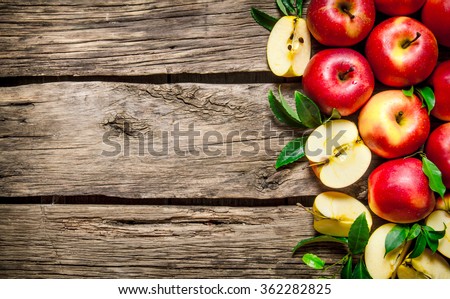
(289,47)
(335,212)
(337,154)
(381,265)
(440,220)
(427,265)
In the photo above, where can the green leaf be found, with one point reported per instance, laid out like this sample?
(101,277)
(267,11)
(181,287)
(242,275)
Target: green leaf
(286,7)
(346,272)
(288,109)
(434,176)
(395,237)
(414,231)
(307,111)
(334,115)
(299,4)
(313,261)
(427,96)
(360,271)
(358,236)
(263,19)
(321,238)
(280,112)
(419,247)
(293,151)
(432,237)
(408,92)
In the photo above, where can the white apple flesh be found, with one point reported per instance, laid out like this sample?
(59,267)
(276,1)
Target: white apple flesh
(379,265)
(439,220)
(427,265)
(335,212)
(289,47)
(338,156)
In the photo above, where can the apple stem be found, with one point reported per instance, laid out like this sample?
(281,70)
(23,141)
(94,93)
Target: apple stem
(344,74)
(398,117)
(408,43)
(345,9)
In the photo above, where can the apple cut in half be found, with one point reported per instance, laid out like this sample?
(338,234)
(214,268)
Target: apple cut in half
(337,154)
(425,266)
(335,212)
(289,47)
(381,265)
(440,220)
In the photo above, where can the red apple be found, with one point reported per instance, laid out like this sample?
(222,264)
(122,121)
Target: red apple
(440,80)
(393,125)
(340,22)
(399,191)
(338,78)
(401,51)
(438,150)
(398,8)
(436,16)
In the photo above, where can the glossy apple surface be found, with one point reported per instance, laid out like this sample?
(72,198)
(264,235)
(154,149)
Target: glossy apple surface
(338,78)
(438,150)
(435,15)
(340,23)
(398,7)
(399,191)
(440,80)
(401,51)
(393,125)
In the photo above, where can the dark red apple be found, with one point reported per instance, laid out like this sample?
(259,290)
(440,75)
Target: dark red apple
(340,23)
(398,7)
(338,78)
(438,150)
(401,51)
(440,80)
(436,16)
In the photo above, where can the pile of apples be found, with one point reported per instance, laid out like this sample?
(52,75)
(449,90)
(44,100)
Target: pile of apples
(400,52)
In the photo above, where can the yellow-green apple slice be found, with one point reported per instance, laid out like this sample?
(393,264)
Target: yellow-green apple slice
(439,220)
(336,153)
(335,212)
(379,264)
(426,265)
(289,47)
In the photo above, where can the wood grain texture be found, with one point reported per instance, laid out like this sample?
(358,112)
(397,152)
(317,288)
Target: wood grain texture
(85,241)
(130,37)
(120,140)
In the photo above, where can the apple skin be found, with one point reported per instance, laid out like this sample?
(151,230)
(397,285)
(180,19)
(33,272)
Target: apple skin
(438,150)
(331,26)
(435,15)
(328,81)
(399,191)
(393,125)
(440,80)
(398,8)
(395,63)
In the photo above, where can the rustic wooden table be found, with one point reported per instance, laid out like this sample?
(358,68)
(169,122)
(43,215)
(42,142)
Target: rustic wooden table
(136,142)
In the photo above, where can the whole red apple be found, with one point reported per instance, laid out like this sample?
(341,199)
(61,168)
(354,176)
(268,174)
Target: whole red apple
(440,80)
(401,51)
(393,125)
(398,8)
(340,23)
(436,16)
(338,78)
(438,150)
(399,191)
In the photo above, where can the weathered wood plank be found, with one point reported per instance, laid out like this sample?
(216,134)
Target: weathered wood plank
(147,141)
(130,37)
(70,241)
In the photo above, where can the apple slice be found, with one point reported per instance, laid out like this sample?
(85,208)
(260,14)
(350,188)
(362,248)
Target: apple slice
(337,154)
(426,265)
(289,47)
(335,212)
(378,264)
(438,220)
